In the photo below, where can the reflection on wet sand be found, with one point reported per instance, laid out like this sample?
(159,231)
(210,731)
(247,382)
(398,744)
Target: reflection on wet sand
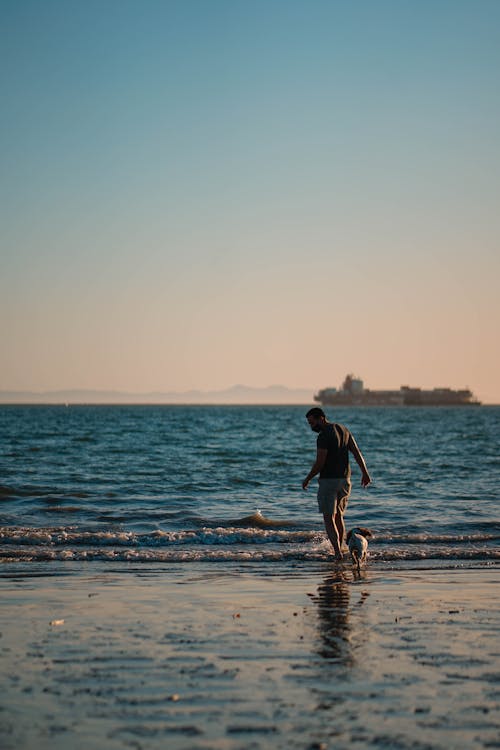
(334,619)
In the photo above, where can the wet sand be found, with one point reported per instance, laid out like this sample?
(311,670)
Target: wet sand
(142,658)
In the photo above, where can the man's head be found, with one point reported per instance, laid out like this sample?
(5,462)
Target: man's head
(316,418)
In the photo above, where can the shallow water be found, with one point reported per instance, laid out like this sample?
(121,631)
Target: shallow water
(164,484)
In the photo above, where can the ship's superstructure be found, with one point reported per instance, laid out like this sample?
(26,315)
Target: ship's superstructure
(353,393)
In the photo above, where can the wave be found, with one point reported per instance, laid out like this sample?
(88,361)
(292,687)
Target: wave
(253,538)
(13,492)
(205,536)
(427,538)
(47,493)
(320,553)
(254,529)
(256,521)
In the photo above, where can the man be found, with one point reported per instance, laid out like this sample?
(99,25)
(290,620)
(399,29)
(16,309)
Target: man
(332,464)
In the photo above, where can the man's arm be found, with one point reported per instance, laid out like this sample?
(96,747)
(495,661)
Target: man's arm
(365,477)
(321,455)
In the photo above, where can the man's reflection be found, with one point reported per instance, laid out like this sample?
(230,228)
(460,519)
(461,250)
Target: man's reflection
(334,623)
(332,600)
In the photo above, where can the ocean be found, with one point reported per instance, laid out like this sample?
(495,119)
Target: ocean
(177,485)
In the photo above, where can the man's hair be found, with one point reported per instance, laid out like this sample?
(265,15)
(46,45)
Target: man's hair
(316,412)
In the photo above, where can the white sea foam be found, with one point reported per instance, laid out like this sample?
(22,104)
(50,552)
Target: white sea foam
(230,544)
(318,550)
(203,536)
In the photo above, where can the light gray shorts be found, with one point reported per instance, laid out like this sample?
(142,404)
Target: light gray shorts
(333,495)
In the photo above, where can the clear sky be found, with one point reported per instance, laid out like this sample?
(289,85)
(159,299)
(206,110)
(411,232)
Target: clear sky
(196,194)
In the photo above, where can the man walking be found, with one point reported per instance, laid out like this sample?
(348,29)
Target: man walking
(332,464)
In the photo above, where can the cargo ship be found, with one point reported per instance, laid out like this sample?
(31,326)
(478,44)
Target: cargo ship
(354,393)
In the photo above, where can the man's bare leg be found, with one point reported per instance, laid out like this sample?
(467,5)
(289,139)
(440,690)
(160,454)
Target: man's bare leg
(332,533)
(340,526)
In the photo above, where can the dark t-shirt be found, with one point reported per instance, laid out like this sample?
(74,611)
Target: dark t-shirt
(335,438)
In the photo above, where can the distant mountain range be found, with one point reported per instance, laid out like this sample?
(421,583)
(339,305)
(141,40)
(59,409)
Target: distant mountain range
(237,394)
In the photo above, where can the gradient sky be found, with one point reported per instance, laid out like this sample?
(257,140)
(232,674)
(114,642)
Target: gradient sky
(195,194)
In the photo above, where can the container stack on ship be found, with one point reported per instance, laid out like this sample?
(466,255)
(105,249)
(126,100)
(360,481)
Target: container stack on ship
(353,393)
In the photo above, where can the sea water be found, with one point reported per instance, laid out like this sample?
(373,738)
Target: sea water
(176,485)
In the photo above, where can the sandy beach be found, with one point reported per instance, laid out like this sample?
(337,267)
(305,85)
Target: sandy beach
(179,659)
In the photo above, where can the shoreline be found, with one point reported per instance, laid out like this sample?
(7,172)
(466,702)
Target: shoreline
(199,657)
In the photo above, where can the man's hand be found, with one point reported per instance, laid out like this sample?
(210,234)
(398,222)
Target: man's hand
(365,479)
(321,454)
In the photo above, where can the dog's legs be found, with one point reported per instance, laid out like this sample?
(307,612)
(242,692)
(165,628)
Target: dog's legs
(355,558)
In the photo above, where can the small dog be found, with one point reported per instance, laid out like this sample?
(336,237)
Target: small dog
(357,539)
